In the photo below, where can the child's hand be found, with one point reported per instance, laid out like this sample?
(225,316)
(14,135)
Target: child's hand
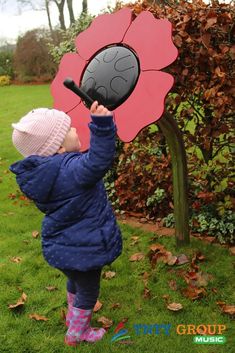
(97,109)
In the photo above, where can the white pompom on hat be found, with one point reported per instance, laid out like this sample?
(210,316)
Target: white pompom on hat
(41,132)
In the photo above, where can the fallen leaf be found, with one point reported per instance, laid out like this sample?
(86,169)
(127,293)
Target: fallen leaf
(21,301)
(97,306)
(198,279)
(38,317)
(35,234)
(157,247)
(182,259)
(106,323)
(127,342)
(63,315)
(198,256)
(147,293)
(174,306)
(169,259)
(137,257)
(109,274)
(227,309)
(125,319)
(166,297)
(145,277)
(16,259)
(51,288)
(11,196)
(172,284)
(232,250)
(193,292)
(203,279)
(135,240)
(115,306)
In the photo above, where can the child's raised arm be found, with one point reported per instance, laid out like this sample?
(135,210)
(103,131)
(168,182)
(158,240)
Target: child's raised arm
(91,167)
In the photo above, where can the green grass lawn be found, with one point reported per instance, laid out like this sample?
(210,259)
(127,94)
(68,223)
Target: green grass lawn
(31,275)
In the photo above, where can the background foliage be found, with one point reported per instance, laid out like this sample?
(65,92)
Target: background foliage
(202,101)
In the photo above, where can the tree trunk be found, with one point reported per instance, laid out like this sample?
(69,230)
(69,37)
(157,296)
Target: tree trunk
(71,13)
(60,6)
(49,16)
(84,6)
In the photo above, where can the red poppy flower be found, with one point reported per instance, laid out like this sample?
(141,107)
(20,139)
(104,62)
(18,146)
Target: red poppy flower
(146,46)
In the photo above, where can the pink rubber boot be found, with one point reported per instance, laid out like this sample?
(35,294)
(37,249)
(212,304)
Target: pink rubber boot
(79,328)
(70,301)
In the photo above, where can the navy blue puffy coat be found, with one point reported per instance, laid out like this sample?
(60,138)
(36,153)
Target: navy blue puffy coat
(79,230)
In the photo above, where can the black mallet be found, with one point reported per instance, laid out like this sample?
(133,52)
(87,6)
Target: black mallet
(70,84)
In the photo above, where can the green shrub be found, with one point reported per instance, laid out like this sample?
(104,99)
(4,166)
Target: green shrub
(67,44)
(5,80)
(6,63)
(207,223)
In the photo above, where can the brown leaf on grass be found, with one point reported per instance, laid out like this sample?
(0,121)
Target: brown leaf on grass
(126,342)
(20,302)
(137,257)
(63,315)
(166,297)
(135,240)
(147,293)
(203,279)
(16,259)
(190,276)
(159,253)
(169,259)
(182,259)
(109,274)
(106,323)
(145,277)
(11,196)
(51,288)
(197,257)
(115,306)
(232,250)
(38,317)
(193,293)
(175,306)
(35,234)
(157,247)
(198,279)
(154,258)
(97,306)
(172,284)
(227,309)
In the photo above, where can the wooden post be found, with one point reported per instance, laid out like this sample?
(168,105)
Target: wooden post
(175,142)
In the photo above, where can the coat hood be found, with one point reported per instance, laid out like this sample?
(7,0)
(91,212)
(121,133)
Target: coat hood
(36,176)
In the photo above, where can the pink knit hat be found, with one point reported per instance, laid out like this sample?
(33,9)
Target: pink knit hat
(41,132)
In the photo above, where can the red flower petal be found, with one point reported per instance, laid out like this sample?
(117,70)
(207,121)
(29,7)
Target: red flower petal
(105,30)
(80,117)
(71,65)
(151,39)
(144,106)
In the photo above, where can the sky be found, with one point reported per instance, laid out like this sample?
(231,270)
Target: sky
(15,21)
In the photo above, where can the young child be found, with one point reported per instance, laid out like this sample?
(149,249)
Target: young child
(79,231)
